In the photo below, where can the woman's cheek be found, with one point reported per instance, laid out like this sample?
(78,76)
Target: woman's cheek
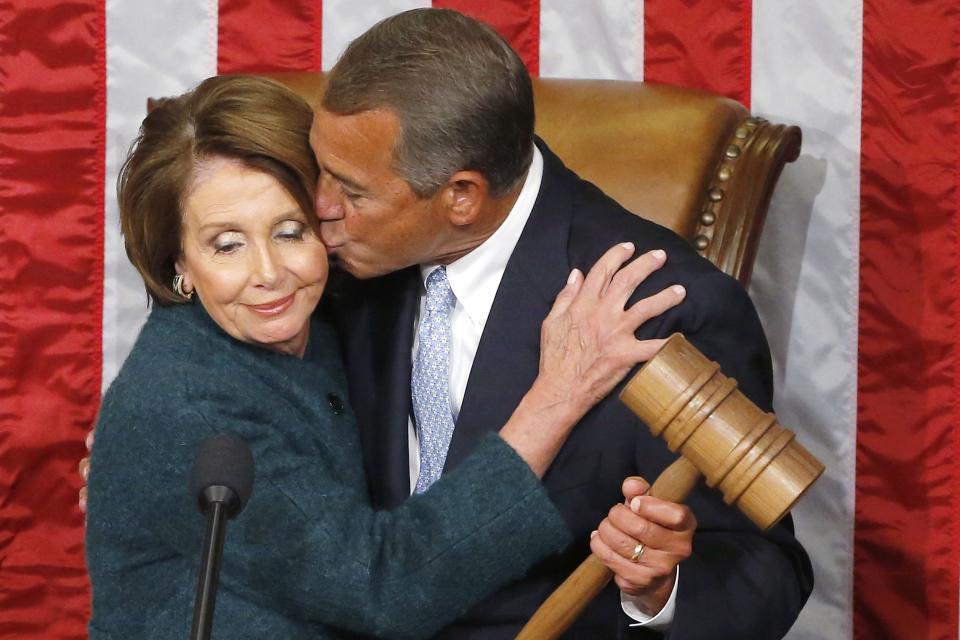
(229,280)
(313,263)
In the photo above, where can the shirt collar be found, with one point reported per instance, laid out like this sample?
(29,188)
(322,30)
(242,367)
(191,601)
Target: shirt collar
(476,276)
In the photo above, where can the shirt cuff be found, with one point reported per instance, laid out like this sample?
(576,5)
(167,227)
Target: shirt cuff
(660,622)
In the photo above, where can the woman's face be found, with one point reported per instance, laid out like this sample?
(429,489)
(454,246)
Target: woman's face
(248,252)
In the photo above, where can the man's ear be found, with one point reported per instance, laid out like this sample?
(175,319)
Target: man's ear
(464,196)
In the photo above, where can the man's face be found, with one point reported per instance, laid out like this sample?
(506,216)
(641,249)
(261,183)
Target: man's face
(370,219)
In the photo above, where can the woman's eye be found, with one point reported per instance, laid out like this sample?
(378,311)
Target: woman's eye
(227,243)
(290,230)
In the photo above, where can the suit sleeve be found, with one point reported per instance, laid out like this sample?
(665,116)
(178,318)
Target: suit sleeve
(309,546)
(739,582)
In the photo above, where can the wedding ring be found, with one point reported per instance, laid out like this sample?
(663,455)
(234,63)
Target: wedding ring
(637,552)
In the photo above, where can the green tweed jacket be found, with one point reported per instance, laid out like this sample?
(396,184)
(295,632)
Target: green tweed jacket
(308,557)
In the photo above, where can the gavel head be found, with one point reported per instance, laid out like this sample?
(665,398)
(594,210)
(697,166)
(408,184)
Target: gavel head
(757,464)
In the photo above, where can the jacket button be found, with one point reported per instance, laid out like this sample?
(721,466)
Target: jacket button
(336,404)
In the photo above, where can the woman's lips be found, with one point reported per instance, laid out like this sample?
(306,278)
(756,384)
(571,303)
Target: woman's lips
(274,307)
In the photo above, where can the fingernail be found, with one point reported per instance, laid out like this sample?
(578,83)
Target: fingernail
(89,440)
(84,472)
(574,276)
(659,254)
(635,505)
(678,290)
(628,246)
(593,534)
(83,504)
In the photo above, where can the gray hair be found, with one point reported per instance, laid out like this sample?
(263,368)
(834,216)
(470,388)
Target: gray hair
(462,94)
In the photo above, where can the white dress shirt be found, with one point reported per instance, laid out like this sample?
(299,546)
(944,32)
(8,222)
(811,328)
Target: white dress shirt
(474,279)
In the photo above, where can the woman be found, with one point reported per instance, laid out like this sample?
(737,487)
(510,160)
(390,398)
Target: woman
(216,210)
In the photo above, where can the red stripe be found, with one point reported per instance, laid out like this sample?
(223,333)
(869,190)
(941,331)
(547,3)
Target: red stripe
(518,21)
(269,36)
(907,534)
(705,45)
(51,278)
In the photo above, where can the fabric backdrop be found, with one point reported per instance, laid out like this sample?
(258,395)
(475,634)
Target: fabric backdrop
(856,279)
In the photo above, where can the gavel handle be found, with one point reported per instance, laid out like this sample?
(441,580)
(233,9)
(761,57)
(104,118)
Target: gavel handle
(569,600)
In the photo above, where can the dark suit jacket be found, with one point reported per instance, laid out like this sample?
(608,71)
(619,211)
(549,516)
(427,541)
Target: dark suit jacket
(739,583)
(308,557)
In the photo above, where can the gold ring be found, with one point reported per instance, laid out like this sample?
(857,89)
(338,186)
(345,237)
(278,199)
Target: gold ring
(637,552)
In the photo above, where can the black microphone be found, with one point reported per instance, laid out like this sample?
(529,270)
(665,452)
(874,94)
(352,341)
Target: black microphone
(221,480)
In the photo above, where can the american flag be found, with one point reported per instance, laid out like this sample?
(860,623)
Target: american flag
(856,278)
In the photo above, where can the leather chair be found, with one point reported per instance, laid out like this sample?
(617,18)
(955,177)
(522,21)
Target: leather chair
(689,160)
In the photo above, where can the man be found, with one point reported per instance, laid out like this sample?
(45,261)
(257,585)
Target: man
(425,141)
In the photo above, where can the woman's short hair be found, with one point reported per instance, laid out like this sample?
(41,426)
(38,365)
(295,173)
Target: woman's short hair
(463,97)
(253,120)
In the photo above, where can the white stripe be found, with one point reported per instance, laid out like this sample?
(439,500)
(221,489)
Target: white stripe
(150,53)
(807,70)
(601,39)
(344,20)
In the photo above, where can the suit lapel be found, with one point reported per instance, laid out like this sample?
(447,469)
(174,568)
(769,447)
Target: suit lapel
(377,351)
(394,384)
(508,355)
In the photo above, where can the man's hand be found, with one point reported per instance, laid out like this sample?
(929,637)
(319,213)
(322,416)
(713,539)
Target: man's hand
(665,529)
(84,469)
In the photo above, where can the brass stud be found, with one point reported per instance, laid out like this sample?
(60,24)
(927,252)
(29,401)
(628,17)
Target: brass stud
(732,152)
(708,218)
(725,172)
(701,243)
(741,133)
(716,194)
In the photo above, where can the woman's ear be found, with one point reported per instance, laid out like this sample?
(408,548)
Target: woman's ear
(464,196)
(181,270)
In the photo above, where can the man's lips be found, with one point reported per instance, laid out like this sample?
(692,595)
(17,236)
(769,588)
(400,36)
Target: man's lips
(274,307)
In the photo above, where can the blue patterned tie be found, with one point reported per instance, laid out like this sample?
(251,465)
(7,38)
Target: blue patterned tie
(431,379)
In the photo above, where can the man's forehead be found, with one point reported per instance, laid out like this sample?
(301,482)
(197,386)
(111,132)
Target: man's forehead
(366,137)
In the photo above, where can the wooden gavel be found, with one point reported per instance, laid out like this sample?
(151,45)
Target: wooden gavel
(684,398)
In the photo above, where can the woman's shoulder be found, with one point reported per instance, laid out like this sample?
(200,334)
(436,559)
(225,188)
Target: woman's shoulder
(173,345)
(184,369)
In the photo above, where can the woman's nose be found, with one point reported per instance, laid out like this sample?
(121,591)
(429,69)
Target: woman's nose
(266,265)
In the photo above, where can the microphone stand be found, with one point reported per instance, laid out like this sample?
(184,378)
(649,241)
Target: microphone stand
(219,500)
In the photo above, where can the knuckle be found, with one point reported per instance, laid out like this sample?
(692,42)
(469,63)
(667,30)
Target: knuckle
(627,586)
(661,571)
(674,518)
(595,546)
(640,580)
(641,528)
(623,281)
(607,555)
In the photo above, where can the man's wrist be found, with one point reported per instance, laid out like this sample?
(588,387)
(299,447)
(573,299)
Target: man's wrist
(661,620)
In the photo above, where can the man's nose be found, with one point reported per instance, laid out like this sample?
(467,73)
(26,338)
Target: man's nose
(329,202)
